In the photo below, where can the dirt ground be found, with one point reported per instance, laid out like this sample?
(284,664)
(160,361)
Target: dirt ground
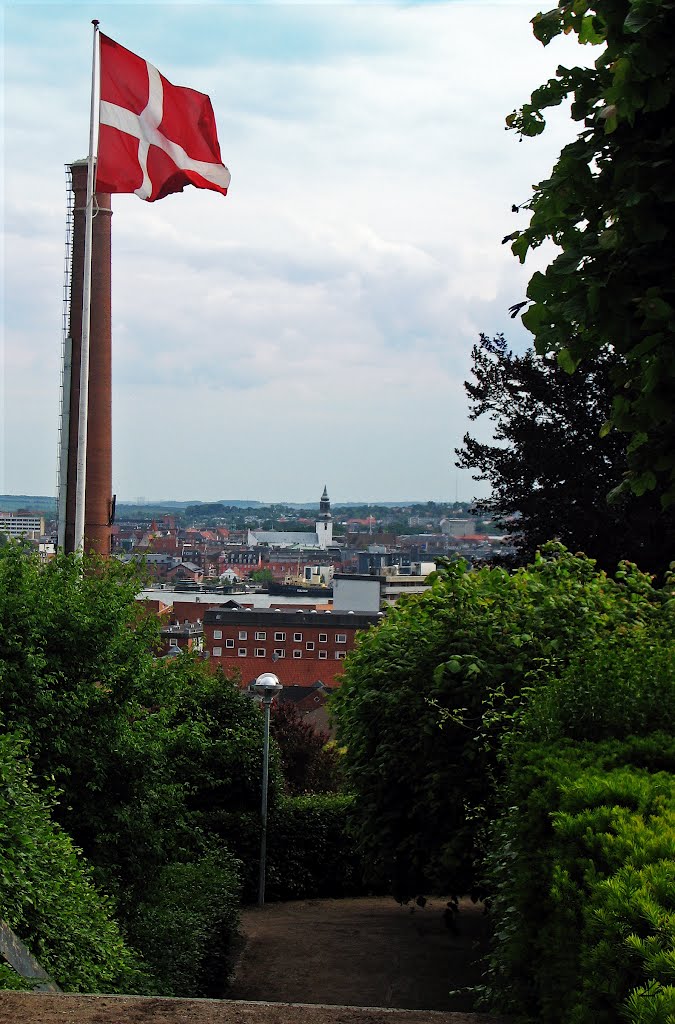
(355,961)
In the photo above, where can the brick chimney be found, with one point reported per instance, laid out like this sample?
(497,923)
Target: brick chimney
(98,495)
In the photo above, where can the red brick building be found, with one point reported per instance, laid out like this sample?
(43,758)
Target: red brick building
(300,647)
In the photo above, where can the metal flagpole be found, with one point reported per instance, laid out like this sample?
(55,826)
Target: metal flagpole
(80,493)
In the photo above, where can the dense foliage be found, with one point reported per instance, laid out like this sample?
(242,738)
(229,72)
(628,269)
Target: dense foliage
(430,694)
(147,754)
(309,761)
(153,767)
(608,205)
(583,873)
(46,893)
(548,466)
(312,853)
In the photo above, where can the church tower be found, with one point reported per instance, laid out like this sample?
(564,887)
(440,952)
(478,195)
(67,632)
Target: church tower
(324,525)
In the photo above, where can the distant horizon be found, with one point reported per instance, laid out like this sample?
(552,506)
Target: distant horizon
(252,502)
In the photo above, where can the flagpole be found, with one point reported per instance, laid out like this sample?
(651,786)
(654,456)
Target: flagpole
(80,493)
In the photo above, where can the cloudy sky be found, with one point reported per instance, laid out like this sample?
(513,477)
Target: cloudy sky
(316,324)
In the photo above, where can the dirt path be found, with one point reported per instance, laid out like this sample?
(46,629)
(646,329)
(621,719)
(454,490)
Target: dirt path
(360,952)
(356,961)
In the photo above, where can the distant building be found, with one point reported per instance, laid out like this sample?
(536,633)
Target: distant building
(322,537)
(20,524)
(458,527)
(368,592)
(300,647)
(181,636)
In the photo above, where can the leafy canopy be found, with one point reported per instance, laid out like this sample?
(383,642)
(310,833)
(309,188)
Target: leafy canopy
(429,696)
(609,205)
(549,468)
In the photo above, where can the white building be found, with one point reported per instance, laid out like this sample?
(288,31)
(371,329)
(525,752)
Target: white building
(14,524)
(322,537)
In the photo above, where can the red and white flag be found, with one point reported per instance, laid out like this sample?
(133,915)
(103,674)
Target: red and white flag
(154,137)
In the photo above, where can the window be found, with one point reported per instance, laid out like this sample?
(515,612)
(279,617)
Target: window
(260,652)
(339,655)
(279,636)
(323,655)
(243,635)
(261,635)
(229,643)
(280,653)
(217,634)
(173,641)
(323,638)
(297,636)
(241,652)
(217,652)
(340,638)
(309,645)
(297,654)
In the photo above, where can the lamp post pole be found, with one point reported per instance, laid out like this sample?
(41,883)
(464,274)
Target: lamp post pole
(268,686)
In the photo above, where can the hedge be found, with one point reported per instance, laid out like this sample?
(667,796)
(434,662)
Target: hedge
(310,851)
(47,896)
(583,871)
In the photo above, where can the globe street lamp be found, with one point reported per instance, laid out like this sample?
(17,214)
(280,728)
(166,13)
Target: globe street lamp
(267,685)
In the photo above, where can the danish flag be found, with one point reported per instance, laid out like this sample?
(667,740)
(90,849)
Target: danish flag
(154,137)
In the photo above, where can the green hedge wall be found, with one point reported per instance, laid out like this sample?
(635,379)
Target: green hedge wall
(583,871)
(310,850)
(47,896)
(187,924)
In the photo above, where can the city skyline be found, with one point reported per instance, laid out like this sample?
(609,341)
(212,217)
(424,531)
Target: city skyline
(316,323)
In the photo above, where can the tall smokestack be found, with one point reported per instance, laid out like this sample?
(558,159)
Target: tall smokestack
(98,495)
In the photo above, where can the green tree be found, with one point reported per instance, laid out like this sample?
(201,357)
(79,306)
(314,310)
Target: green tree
(46,892)
(310,762)
(549,469)
(262,575)
(150,755)
(608,205)
(428,696)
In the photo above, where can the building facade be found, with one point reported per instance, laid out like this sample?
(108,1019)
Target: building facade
(301,647)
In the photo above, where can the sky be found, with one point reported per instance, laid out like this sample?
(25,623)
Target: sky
(315,325)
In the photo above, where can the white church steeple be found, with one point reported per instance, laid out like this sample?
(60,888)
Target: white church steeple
(324,525)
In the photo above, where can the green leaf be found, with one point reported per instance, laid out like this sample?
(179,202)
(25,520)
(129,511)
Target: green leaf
(566,361)
(538,288)
(520,247)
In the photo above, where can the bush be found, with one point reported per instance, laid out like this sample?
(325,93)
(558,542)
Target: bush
(187,924)
(311,851)
(47,896)
(583,880)
(310,763)
(430,695)
(614,687)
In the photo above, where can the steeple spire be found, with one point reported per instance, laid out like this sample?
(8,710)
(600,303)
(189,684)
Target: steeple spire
(324,505)
(324,524)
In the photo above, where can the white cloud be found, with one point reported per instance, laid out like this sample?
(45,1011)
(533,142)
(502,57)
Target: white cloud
(317,323)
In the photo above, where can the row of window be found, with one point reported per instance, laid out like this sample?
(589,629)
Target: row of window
(261,652)
(340,638)
(229,645)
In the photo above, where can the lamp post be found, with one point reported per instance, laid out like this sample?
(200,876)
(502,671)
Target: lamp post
(267,685)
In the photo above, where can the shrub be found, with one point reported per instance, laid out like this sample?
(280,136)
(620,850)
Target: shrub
(430,695)
(311,851)
(187,924)
(310,763)
(583,879)
(614,687)
(46,893)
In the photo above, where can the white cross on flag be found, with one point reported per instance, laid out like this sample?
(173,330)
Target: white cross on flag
(154,137)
